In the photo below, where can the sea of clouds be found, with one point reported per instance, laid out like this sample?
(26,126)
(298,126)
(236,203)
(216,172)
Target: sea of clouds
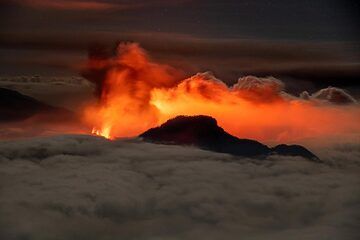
(84,187)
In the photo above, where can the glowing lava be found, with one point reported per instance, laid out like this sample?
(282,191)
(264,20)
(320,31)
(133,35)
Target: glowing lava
(104,132)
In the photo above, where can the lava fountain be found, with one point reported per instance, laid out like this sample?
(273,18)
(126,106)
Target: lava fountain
(125,108)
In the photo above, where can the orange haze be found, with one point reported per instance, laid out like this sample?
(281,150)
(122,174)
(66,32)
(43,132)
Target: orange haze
(138,94)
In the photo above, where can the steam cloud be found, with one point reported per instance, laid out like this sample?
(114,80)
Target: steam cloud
(81,187)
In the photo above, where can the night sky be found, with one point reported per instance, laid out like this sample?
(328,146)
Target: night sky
(307,44)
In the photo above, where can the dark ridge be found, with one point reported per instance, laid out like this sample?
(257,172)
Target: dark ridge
(15,106)
(294,150)
(203,132)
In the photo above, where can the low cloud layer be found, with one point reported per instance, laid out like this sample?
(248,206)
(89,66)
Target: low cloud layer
(81,187)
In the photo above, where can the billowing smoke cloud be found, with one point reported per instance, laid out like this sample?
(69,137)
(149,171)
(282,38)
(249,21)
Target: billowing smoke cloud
(256,108)
(81,187)
(331,95)
(261,89)
(132,86)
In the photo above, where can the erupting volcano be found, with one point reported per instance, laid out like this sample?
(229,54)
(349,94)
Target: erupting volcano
(179,119)
(136,93)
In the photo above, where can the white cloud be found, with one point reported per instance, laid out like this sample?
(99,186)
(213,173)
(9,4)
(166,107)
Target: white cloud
(81,187)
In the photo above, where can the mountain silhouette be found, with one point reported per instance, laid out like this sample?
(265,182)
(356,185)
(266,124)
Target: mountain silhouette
(293,150)
(203,132)
(15,106)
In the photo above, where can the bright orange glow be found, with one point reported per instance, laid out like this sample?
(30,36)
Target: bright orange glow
(104,132)
(139,94)
(124,109)
(279,119)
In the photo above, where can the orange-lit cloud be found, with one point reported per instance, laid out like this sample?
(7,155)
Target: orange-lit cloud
(137,94)
(263,114)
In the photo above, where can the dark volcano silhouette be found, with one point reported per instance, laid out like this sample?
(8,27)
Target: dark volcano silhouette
(203,132)
(15,106)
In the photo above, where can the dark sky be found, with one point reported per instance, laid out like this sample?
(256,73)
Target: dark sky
(307,43)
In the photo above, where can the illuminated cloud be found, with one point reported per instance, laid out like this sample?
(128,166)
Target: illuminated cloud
(262,89)
(330,95)
(305,95)
(334,95)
